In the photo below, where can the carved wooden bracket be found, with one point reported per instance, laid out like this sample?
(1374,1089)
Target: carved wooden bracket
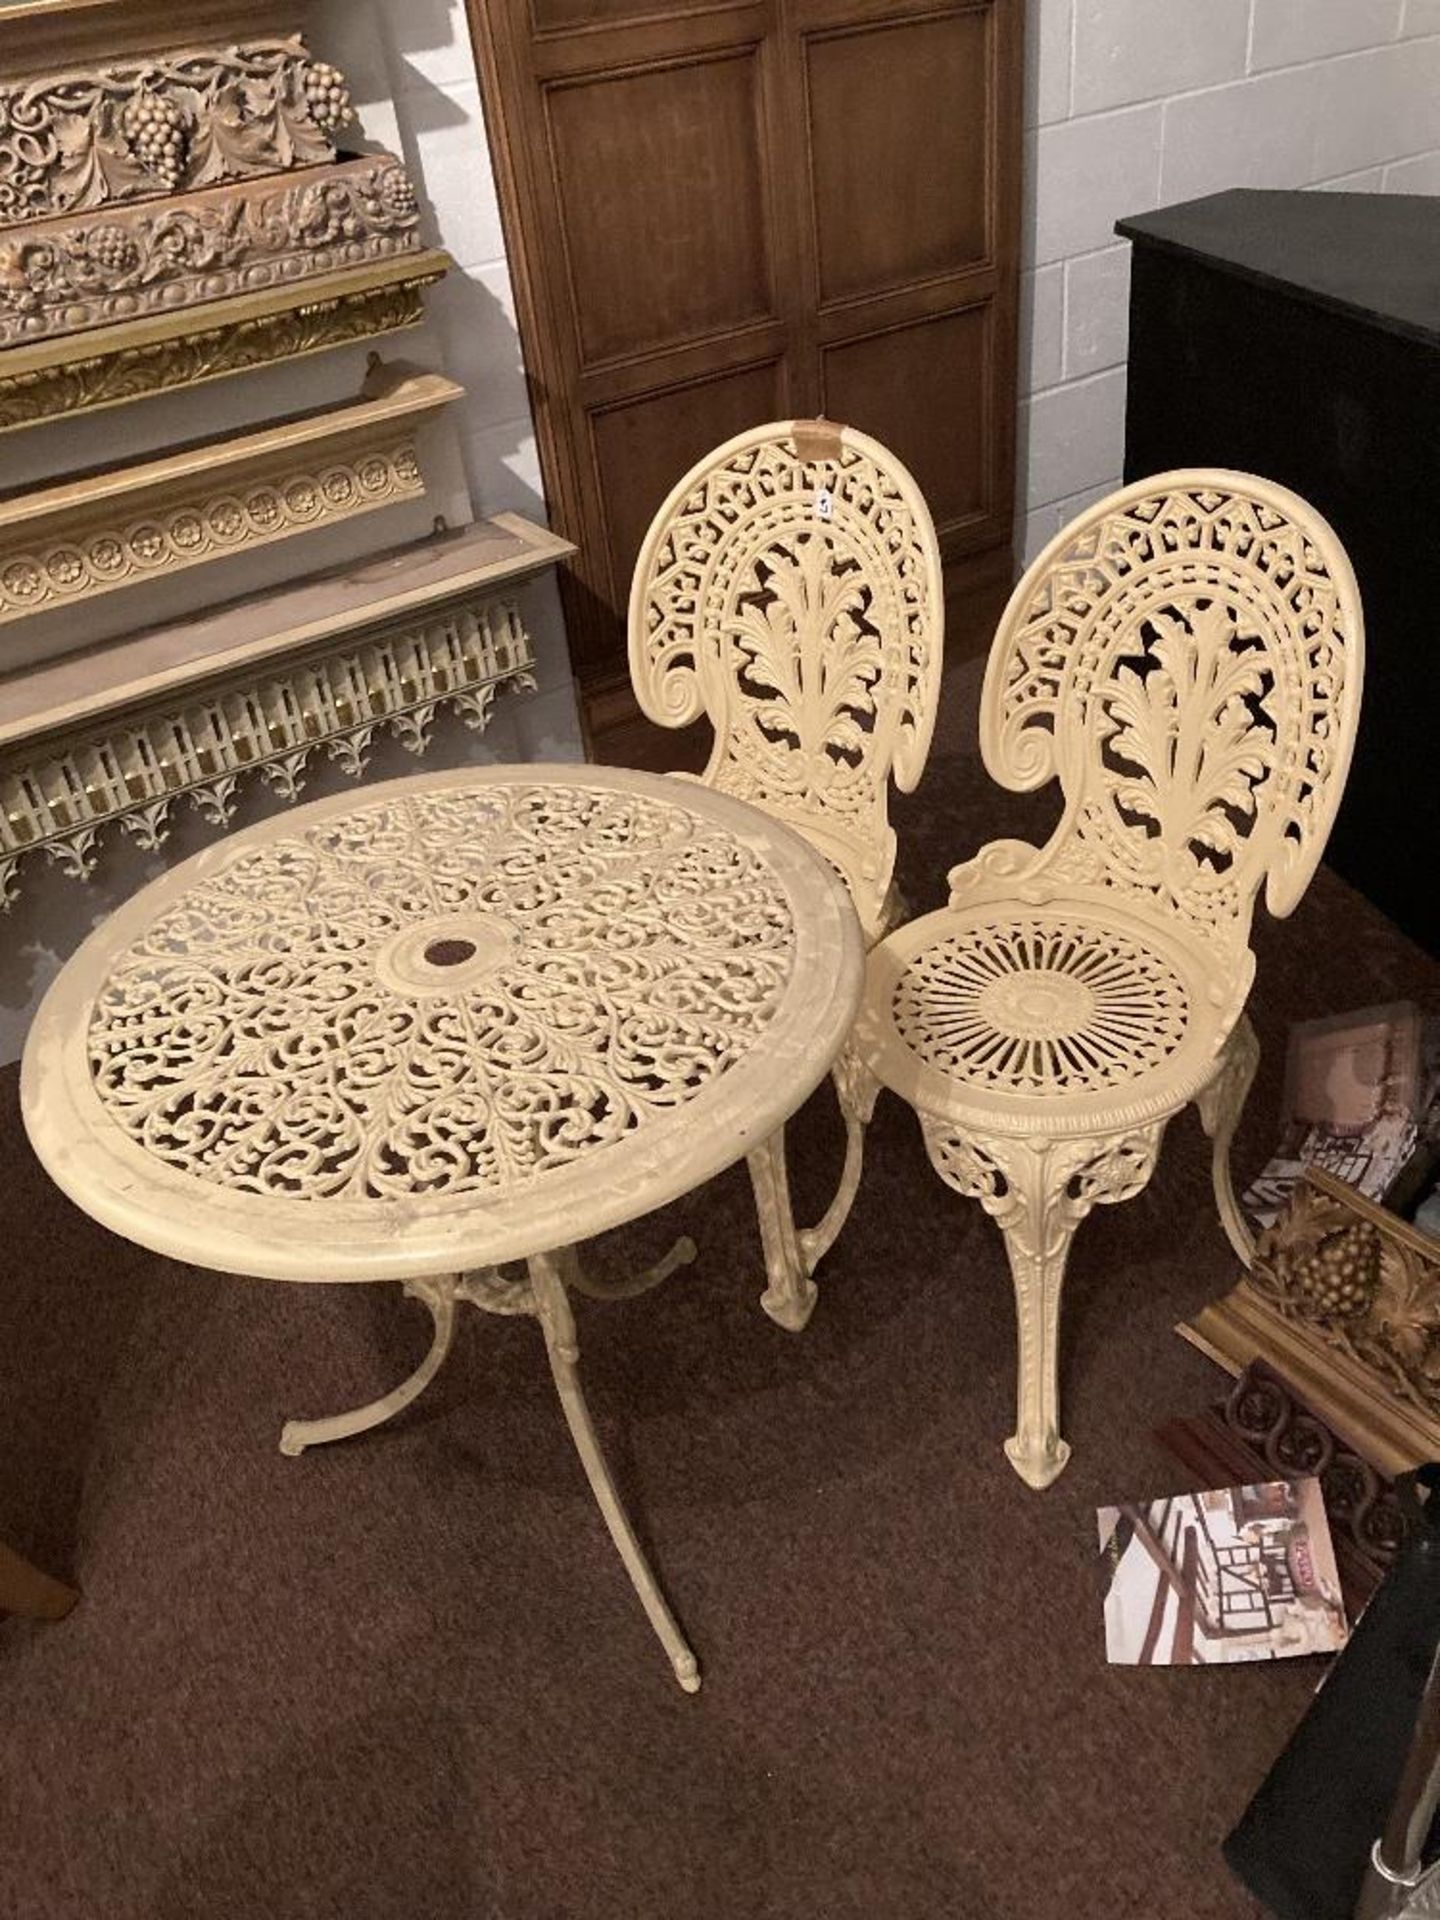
(96,533)
(1344,1301)
(1262,1430)
(122,733)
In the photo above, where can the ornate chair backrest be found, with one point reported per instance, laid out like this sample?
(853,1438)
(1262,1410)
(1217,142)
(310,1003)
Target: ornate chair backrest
(1187,655)
(790,591)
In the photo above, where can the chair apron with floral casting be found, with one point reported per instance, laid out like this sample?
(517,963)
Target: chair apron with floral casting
(789,590)
(1186,657)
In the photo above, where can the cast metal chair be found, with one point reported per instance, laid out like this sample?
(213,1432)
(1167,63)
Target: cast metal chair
(789,590)
(1186,657)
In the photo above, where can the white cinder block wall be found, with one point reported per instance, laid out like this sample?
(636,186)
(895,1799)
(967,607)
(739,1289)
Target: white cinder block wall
(1134,104)
(411,70)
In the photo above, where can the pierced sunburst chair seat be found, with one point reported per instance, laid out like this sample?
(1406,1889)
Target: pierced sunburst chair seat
(1186,657)
(789,591)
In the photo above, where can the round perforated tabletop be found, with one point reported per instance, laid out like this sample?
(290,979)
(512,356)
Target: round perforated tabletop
(449,1021)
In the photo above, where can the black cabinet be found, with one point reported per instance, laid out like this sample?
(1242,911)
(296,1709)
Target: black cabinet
(1297,335)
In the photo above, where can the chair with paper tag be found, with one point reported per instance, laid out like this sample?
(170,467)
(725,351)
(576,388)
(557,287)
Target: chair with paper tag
(1186,659)
(789,591)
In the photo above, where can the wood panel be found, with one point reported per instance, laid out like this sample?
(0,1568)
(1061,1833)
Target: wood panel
(695,258)
(885,212)
(720,211)
(886,383)
(642,448)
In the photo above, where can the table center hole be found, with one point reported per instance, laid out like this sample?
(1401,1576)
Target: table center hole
(449,953)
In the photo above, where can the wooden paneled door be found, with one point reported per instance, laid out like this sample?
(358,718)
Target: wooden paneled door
(721,212)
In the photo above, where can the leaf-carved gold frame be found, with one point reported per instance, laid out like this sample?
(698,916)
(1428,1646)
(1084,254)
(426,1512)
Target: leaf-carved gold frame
(1374,1376)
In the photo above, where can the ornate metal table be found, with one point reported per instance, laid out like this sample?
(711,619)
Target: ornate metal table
(466,1020)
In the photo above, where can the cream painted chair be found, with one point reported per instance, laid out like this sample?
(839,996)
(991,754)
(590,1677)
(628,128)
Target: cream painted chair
(789,591)
(1187,658)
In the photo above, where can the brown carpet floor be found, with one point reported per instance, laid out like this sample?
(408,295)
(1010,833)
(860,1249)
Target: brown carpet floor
(406,1677)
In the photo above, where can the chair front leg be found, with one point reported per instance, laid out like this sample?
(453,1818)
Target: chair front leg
(1038,1191)
(1220,1105)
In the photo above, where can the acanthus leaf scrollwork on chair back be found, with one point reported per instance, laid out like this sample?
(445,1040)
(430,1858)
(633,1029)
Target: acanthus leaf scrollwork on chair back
(789,590)
(1186,656)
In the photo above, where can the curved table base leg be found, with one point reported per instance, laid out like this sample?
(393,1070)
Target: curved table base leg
(682,1254)
(439,1296)
(548,1275)
(789,1296)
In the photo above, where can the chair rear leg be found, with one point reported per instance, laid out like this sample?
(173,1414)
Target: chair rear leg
(857,1090)
(1220,1105)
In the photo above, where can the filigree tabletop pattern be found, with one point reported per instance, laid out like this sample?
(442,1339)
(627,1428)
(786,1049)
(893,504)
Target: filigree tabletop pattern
(443,993)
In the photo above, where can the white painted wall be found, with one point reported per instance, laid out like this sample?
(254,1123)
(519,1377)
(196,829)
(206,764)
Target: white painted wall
(1134,104)
(412,76)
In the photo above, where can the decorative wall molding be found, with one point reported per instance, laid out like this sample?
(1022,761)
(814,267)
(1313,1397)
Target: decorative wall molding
(1343,1300)
(272,726)
(39,36)
(166,123)
(106,367)
(262,686)
(60,276)
(98,532)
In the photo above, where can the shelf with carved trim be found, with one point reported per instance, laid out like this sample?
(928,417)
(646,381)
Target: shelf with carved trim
(98,532)
(65,275)
(110,366)
(120,733)
(176,199)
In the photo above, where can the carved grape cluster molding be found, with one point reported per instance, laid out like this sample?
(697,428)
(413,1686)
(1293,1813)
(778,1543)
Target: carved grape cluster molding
(450,993)
(70,142)
(124,265)
(1395,1332)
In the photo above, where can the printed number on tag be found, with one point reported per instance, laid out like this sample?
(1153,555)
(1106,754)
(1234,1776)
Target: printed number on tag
(824,503)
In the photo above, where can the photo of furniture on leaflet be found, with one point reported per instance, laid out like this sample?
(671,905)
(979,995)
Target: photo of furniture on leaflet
(1206,1579)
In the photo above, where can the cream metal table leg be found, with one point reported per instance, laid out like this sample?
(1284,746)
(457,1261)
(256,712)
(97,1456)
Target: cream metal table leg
(1220,1105)
(789,1296)
(549,1273)
(25,1589)
(439,1295)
